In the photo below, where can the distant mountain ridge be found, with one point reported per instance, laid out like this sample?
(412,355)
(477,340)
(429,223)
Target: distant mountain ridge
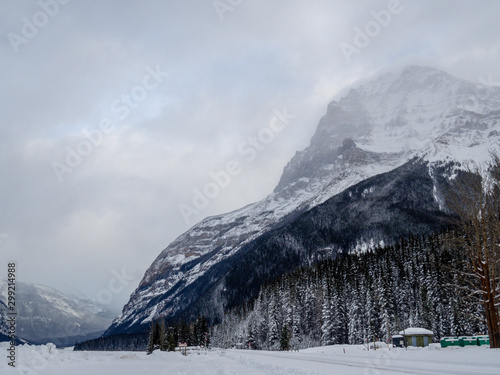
(375,170)
(45,314)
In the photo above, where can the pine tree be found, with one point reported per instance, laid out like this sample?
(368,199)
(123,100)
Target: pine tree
(296,339)
(274,323)
(184,332)
(250,341)
(327,328)
(201,332)
(162,335)
(172,338)
(151,343)
(285,338)
(155,337)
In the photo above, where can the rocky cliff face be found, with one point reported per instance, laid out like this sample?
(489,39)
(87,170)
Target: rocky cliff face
(413,126)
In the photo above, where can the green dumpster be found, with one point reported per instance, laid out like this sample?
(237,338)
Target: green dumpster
(469,340)
(445,342)
(450,341)
(483,340)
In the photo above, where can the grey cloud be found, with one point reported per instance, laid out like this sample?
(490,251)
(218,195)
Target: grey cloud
(120,205)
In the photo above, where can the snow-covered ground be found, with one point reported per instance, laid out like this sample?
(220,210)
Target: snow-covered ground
(46,359)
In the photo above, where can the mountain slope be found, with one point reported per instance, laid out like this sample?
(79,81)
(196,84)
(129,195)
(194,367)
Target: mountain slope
(375,211)
(47,315)
(420,114)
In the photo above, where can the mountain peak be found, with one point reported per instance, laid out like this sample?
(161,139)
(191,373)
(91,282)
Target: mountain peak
(402,112)
(409,72)
(422,69)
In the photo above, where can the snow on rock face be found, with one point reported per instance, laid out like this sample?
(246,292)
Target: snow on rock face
(418,112)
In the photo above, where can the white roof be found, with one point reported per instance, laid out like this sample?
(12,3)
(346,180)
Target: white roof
(416,331)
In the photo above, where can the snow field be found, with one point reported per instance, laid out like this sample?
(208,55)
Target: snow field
(46,359)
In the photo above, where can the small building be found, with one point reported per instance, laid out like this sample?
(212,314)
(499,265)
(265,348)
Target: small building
(417,336)
(398,341)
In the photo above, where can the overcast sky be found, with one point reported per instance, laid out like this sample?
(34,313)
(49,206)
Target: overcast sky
(113,111)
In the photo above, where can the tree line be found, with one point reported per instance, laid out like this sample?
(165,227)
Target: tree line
(121,341)
(356,297)
(447,282)
(167,337)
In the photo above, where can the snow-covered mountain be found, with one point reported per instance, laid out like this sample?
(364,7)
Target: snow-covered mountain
(47,315)
(383,147)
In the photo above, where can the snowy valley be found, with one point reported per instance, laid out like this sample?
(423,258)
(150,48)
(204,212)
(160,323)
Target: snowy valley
(339,360)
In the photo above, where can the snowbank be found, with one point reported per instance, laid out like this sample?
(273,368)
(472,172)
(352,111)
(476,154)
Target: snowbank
(337,359)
